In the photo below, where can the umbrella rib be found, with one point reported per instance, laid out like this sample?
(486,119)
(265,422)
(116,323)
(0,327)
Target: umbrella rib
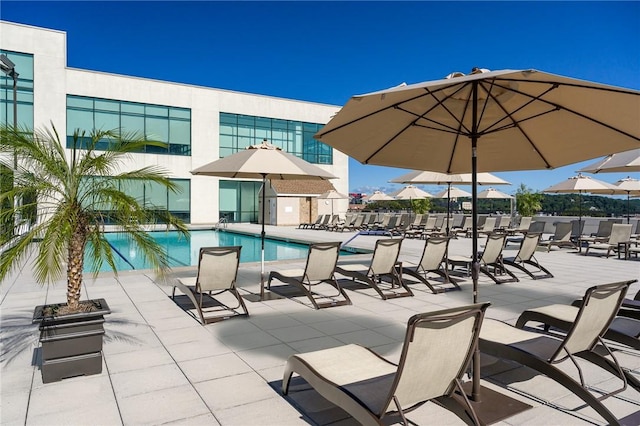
(562,107)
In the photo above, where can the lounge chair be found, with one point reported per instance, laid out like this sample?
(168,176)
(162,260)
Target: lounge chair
(622,330)
(488,227)
(466,228)
(600,236)
(434,259)
(311,224)
(436,352)
(526,256)
(383,264)
(620,233)
(320,268)
(491,259)
(323,223)
(354,225)
(217,273)
(523,226)
(560,238)
(503,223)
(541,352)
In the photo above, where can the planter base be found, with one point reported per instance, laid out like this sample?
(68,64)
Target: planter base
(55,370)
(71,344)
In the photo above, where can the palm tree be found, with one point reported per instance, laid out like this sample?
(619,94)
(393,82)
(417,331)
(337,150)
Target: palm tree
(74,193)
(528,202)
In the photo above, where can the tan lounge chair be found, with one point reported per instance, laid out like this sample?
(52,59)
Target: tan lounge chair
(217,273)
(491,259)
(561,237)
(620,233)
(434,260)
(383,264)
(320,268)
(436,352)
(525,256)
(622,330)
(542,352)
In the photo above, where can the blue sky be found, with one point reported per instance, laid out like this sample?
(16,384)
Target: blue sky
(328,51)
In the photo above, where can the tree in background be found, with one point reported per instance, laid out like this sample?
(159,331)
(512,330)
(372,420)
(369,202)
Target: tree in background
(421,205)
(527,201)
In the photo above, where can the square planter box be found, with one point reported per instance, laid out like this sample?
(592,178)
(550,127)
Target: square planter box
(71,344)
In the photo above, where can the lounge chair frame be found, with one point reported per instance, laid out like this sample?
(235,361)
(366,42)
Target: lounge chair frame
(383,264)
(525,256)
(398,389)
(540,352)
(217,273)
(433,259)
(491,258)
(561,237)
(320,268)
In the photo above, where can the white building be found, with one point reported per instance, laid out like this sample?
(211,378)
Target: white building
(200,124)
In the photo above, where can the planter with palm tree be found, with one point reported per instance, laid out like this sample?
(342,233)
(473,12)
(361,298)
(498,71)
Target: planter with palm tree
(64,199)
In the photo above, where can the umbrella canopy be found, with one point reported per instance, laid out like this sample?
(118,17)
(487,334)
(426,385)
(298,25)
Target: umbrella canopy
(264,161)
(623,162)
(380,196)
(628,186)
(486,121)
(437,178)
(410,192)
(493,193)
(332,195)
(452,192)
(579,184)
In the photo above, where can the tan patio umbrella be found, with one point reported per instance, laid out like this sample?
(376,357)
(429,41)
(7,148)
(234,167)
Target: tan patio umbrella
(332,195)
(578,185)
(486,121)
(264,161)
(410,192)
(492,193)
(437,178)
(628,186)
(622,162)
(380,196)
(453,192)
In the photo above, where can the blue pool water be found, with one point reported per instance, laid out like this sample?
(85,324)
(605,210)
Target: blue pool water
(184,252)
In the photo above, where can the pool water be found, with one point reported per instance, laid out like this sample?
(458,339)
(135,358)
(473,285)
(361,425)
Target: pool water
(184,251)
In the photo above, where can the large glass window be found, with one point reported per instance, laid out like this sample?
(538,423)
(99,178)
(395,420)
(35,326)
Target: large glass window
(24,91)
(239,201)
(155,196)
(296,137)
(171,125)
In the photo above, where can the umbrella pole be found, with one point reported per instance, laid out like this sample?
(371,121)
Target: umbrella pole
(448,205)
(264,190)
(628,208)
(475,265)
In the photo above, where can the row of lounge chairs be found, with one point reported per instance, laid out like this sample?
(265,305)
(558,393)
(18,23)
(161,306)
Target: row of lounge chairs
(437,351)
(438,345)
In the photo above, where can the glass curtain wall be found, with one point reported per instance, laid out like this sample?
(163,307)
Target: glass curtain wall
(171,125)
(239,201)
(24,67)
(295,137)
(154,196)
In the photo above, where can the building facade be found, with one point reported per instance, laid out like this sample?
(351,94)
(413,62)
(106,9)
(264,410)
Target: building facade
(199,125)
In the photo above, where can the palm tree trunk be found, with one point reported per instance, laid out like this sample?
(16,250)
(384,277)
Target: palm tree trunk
(76,264)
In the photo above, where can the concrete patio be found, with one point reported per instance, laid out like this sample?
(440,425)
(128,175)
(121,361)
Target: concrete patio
(162,367)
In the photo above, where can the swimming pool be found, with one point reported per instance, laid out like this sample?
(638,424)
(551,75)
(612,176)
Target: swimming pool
(184,252)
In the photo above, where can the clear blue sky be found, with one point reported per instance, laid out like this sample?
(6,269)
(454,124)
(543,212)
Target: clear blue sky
(328,51)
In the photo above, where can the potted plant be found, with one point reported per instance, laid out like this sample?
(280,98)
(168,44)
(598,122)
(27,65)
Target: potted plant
(56,211)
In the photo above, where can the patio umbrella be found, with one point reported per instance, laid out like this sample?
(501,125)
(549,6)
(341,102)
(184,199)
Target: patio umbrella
(332,195)
(453,192)
(622,162)
(579,184)
(410,192)
(492,193)
(264,161)
(628,186)
(437,178)
(380,196)
(486,121)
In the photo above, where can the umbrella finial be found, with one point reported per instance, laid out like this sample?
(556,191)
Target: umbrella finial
(264,145)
